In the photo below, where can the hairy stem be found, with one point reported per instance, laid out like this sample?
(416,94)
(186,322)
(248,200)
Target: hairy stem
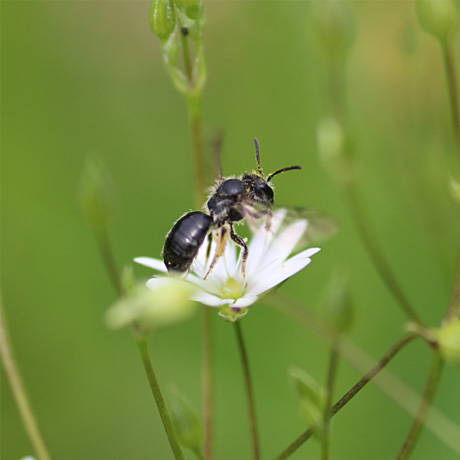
(377,256)
(430,390)
(19,392)
(156,391)
(350,394)
(249,391)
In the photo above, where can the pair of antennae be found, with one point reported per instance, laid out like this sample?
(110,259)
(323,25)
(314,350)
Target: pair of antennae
(259,167)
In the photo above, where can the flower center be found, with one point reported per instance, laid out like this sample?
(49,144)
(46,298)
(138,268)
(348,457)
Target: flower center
(232,289)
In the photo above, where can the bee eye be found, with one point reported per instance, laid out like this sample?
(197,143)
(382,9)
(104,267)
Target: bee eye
(266,190)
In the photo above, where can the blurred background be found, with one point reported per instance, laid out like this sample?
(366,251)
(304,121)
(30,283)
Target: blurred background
(83,78)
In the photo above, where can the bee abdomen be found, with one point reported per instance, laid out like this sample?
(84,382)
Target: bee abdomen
(184,240)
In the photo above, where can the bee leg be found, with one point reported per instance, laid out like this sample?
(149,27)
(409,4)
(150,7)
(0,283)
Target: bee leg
(208,249)
(240,242)
(221,243)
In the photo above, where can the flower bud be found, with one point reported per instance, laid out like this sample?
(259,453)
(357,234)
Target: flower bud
(336,28)
(312,399)
(338,308)
(162,18)
(97,195)
(448,338)
(187,4)
(166,301)
(333,151)
(437,17)
(186,423)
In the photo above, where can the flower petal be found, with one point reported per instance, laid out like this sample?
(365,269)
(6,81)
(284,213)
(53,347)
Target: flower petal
(209,299)
(156,264)
(278,275)
(245,301)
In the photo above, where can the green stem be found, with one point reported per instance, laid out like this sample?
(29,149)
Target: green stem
(454,306)
(430,390)
(19,392)
(105,248)
(377,256)
(332,372)
(350,394)
(207,381)
(249,391)
(449,65)
(165,418)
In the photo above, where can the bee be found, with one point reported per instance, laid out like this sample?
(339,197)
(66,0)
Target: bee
(231,200)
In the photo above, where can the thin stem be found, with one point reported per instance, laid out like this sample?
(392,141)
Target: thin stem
(449,64)
(156,391)
(428,396)
(249,392)
(376,254)
(454,306)
(350,394)
(19,392)
(332,372)
(207,382)
(105,248)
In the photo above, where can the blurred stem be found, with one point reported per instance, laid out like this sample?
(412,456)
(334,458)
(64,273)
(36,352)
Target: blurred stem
(331,375)
(249,391)
(430,390)
(156,391)
(377,256)
(19,392)
(454,306)
(207,381)
(449,64)
(350,394)
(105,248)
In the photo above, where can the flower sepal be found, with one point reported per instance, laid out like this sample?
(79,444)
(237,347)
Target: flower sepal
(232,314)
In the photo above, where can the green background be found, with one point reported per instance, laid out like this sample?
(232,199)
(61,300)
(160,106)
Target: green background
(80,77)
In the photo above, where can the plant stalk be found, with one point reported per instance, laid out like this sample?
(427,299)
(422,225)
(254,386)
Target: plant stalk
(156,391)
(19,392)
(249,390)
(430,391)
(350,394)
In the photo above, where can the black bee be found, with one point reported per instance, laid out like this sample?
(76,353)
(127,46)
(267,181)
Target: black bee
(232,200)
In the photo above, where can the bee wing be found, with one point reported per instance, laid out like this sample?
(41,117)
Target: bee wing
(321,226)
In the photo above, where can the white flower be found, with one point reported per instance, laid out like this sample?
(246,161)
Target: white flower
(268,265)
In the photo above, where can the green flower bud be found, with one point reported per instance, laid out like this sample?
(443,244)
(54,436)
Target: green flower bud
(150,309)
(437,17)
(97,197)
(312,399)
(455,189)
(171,49)
(187,425)
(187,4)
(162,18)
(338,308)
(448,338)
(336,28)
(232,314)
(333,151)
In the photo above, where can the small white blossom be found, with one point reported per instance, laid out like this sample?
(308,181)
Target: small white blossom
(268,265)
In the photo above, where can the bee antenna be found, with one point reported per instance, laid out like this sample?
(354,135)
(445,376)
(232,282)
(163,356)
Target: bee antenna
(281,171)
(259,167)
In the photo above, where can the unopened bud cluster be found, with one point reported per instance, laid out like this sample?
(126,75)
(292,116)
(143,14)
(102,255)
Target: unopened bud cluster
(438,17)
(175,22)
